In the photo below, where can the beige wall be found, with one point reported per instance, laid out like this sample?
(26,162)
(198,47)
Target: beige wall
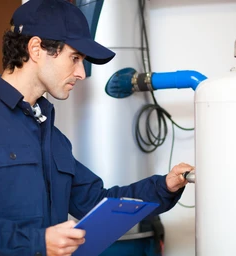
(6,9)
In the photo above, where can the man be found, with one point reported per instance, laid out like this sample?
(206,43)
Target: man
(40,181)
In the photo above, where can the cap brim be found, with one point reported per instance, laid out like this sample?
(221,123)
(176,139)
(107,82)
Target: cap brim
(94,52)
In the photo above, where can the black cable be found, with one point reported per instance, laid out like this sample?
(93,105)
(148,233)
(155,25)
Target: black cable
(152,141)
(148,141)
(153,137)
(144,37)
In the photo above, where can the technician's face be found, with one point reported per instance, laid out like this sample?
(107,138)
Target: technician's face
(58,74)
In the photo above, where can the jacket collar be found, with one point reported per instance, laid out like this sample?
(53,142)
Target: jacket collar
(9,95)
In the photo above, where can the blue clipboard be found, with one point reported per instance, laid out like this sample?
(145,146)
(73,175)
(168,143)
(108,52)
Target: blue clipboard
(108,221)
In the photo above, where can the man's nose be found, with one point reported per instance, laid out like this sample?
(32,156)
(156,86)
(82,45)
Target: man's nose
(79,72)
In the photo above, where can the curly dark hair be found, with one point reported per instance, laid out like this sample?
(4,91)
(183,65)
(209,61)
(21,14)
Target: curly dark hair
(15,52)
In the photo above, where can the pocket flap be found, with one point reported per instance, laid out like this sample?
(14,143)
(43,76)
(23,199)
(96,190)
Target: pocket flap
(16,155)
(65,163)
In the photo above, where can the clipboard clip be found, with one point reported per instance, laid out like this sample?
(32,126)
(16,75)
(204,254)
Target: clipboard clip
(129,205)
(131,199)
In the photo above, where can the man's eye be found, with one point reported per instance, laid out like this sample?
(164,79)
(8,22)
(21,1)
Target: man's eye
(75,59)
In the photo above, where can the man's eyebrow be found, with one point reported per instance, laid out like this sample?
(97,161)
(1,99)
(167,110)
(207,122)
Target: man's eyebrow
(78,53)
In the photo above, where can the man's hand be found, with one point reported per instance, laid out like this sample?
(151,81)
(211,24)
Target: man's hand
(175,179)
(63,239)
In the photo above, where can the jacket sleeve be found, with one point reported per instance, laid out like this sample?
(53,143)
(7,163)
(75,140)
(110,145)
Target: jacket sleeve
(15,241)
(88,190)
(151,189)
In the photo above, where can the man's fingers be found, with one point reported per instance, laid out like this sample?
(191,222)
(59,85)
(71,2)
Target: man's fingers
(176,178)
(68,230)
(182,168)
(74,233)
(66,242)
(63,239)
(67,224)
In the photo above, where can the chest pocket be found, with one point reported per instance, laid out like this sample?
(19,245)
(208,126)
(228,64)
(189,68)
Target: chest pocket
(62,154)
(20,181)
(64,163)
(11,155)
(63,173)
(61,182)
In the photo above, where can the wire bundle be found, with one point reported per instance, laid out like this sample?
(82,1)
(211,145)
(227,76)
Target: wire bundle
(153,139)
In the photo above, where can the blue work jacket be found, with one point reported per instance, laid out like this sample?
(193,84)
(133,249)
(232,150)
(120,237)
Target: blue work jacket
(41,182)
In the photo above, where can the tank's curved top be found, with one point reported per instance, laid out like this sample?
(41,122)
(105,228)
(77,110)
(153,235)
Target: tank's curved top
(220,89)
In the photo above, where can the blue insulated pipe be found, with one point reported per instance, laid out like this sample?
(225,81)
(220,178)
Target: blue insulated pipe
(178,79)
(127,81)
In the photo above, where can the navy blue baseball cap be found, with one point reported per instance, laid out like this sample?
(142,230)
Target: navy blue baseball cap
(62,21)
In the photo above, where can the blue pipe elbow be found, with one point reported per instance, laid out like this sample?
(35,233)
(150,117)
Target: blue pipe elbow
(179,79)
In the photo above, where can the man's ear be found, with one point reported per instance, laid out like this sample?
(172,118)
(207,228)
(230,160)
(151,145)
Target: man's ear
(34,48)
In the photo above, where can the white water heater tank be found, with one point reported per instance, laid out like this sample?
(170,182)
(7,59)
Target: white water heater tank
(215,149)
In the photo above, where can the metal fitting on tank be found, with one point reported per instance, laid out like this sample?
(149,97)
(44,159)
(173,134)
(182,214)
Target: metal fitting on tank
(190,176)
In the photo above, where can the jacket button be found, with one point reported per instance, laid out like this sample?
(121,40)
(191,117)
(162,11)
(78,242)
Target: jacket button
(13,156)
(26,111)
